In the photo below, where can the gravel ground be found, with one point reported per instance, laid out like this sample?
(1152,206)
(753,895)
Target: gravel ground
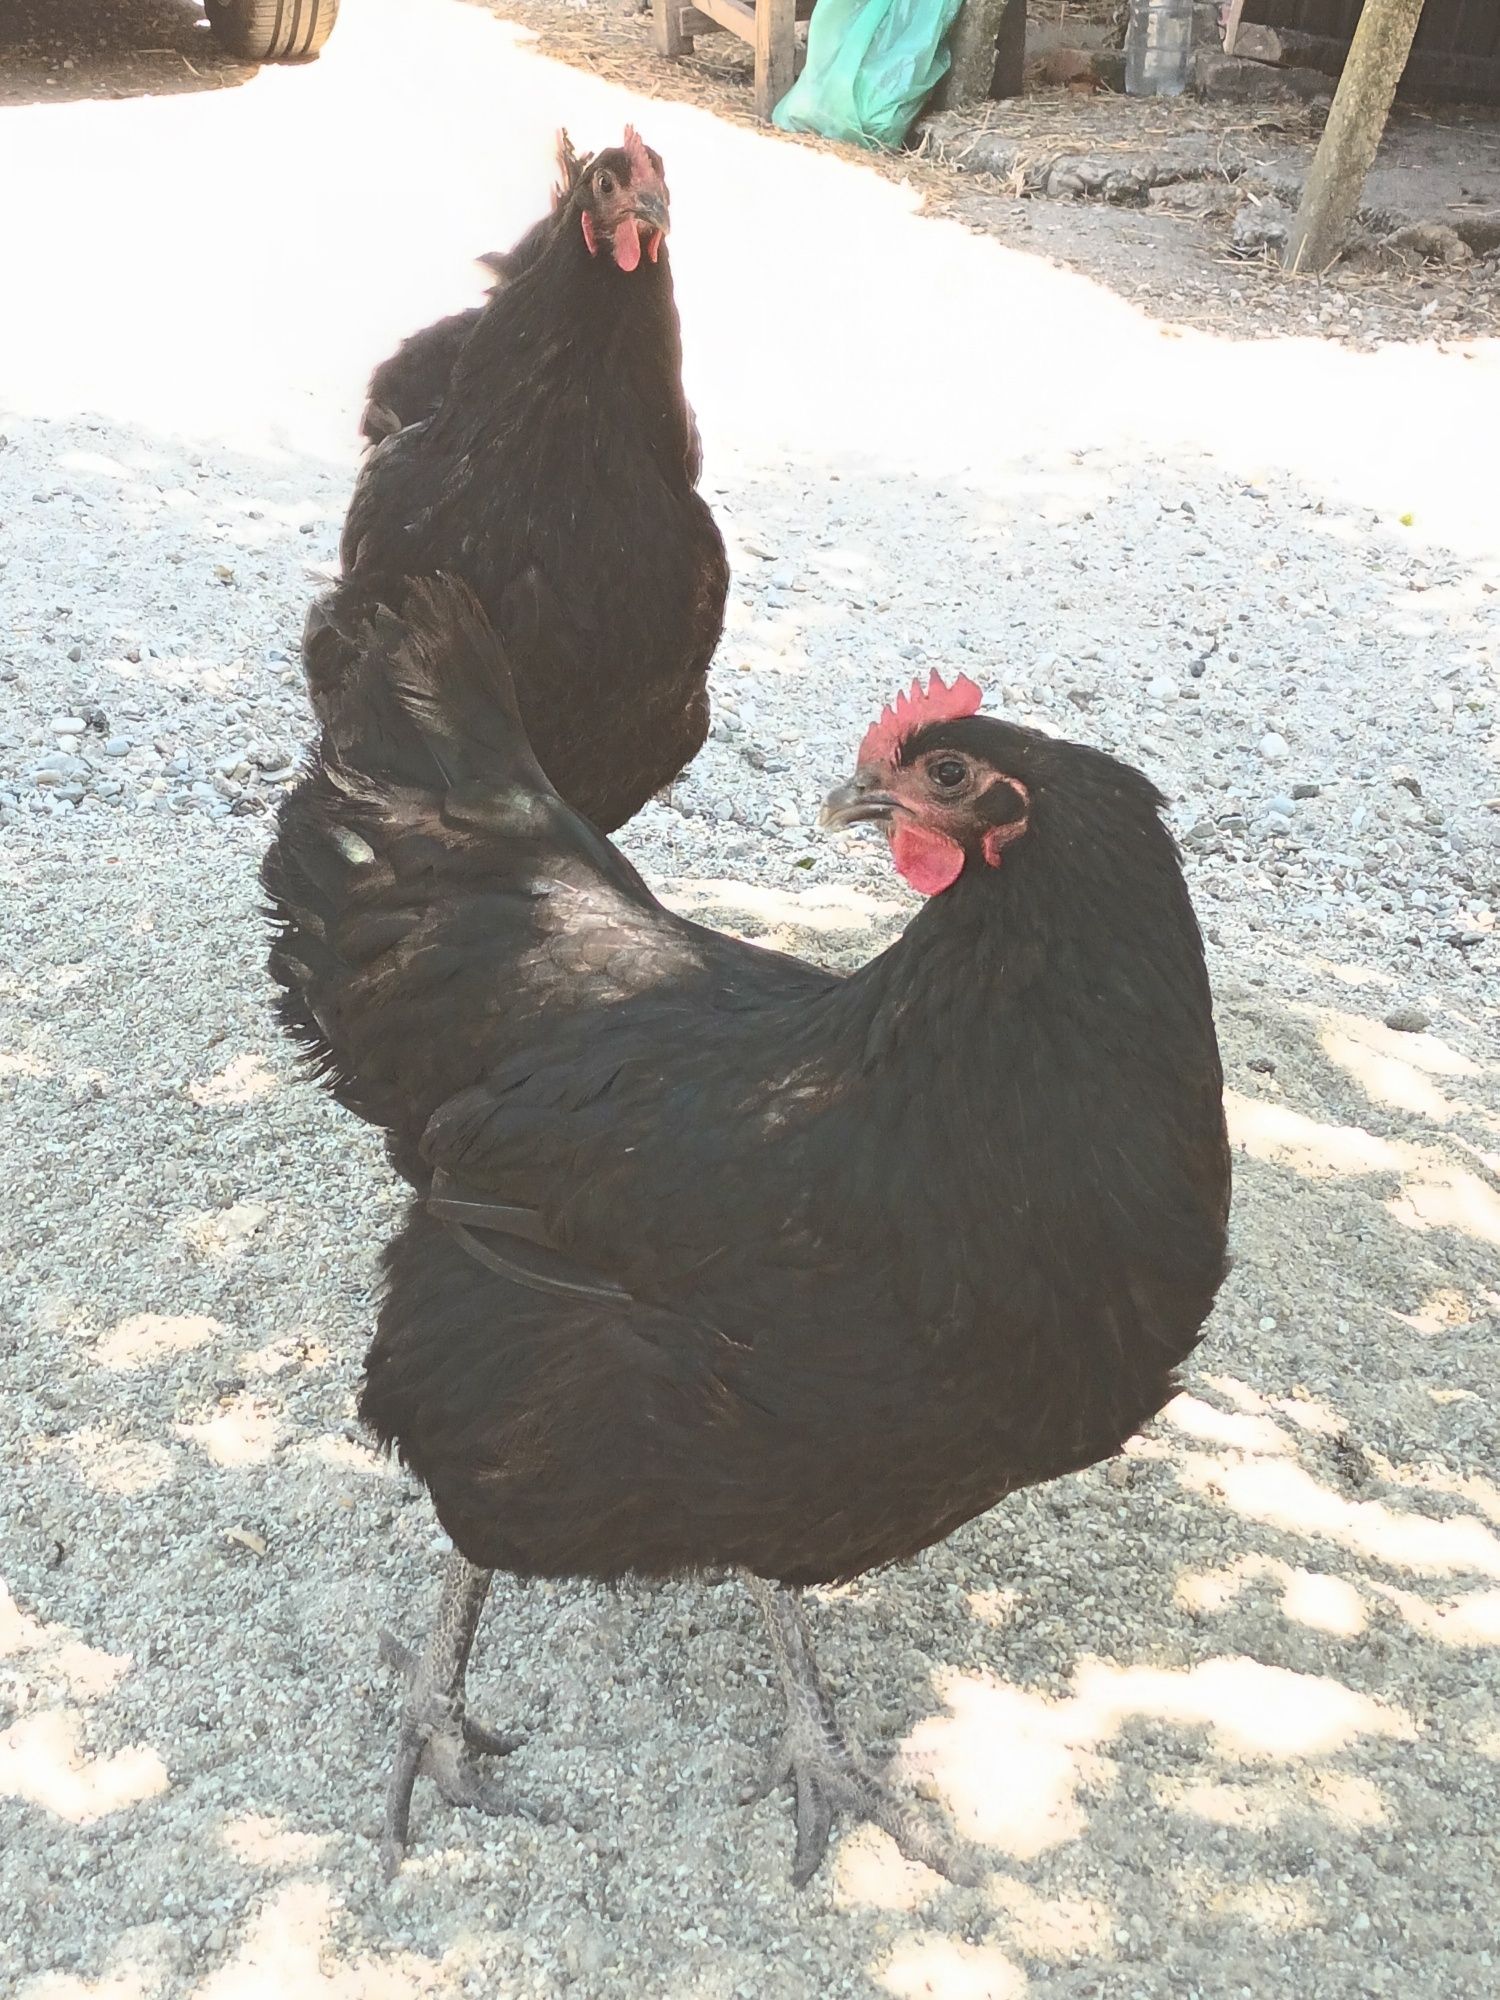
(1224,1714)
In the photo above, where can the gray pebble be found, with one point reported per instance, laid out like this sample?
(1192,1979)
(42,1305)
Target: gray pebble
(1408,1021)
(117,746)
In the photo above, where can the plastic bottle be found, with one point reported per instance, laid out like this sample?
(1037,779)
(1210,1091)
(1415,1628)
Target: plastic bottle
(1158,48)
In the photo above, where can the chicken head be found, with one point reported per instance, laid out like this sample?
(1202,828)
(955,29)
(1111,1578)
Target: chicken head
(621,198)
(926,771)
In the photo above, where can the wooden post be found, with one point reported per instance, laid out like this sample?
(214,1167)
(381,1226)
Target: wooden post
(972,45)
(666,23)
(1361,105)
(775,52)
(1232,25)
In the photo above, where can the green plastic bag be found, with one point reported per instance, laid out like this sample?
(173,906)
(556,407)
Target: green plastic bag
(870,65)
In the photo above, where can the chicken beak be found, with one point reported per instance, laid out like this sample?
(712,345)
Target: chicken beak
(861,799)
(651,211)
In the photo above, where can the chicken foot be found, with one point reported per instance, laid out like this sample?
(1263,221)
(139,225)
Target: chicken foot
(438,1739)
(826,1772)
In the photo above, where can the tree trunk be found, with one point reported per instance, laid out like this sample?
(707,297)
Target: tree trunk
(971,43)
(1372,69)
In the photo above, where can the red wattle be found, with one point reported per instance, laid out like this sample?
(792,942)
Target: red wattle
(588,233)
(929,861)
(628,243)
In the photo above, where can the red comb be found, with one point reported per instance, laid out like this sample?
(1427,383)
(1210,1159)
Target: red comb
(916,710)
(642,167)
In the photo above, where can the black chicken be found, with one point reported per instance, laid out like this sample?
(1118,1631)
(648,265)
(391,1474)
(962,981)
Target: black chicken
(549,458)
(725,1260)
(557,477)
(411,384)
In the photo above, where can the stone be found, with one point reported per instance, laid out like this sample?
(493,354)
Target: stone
(1255,43)
(1238,81)
(1258,227)
(1408,1021)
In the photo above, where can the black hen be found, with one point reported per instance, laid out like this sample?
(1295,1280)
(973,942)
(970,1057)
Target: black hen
(556,476)
(549,458)
(725,1260)
(410,385)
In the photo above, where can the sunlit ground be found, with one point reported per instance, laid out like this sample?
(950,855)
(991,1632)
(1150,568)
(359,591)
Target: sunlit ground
(226,265)
(1232,1697)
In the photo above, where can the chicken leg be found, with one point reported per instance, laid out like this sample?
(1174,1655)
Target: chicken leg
(827,1774)
(437,1736)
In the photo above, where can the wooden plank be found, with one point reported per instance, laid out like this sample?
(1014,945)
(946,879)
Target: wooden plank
(736,17)
(697,23)
(775,52)
(1232,25)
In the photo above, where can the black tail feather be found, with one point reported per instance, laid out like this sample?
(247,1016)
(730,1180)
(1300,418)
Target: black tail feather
(412,689)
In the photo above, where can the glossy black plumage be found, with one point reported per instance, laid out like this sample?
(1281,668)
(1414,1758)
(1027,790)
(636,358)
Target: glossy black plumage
(896,1244)
(409,385)
(557,477)
(548,458)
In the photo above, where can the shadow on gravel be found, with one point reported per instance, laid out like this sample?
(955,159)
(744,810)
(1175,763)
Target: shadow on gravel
(1202,1706)
(1196,1704)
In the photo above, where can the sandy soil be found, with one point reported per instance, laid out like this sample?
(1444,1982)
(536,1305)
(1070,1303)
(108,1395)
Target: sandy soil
(1225,1716)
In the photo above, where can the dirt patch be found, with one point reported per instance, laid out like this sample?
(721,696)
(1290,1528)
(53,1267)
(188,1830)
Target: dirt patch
(54,51)
(1191,169)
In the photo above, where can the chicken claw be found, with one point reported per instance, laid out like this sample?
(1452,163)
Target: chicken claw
(438,1739)
(827,1775)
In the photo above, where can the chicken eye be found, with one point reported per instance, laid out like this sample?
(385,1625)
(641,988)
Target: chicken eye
(605,181)
(948,773)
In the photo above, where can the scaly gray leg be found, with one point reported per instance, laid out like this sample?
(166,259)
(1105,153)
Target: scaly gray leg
(437,1738)
(827,1774)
